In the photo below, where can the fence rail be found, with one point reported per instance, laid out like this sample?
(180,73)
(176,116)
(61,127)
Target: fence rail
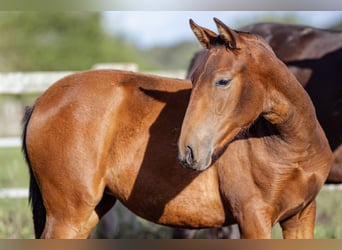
(13,193)
(10,142)
(36,82)
(28,82)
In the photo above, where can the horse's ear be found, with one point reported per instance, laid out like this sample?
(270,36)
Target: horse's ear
(230,37)
(205,36)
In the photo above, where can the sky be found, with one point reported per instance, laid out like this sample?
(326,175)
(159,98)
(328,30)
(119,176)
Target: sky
(151,28)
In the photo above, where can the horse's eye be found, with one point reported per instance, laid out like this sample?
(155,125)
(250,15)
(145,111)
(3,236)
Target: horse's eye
(223,83)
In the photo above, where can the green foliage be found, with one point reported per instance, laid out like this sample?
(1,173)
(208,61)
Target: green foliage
(175,57)
(270,17)
(337,25)
(58,41)
(33,41)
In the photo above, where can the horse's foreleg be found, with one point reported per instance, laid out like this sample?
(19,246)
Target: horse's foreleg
(301,225)
(254,223)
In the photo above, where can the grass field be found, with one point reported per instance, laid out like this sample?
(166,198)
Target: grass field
(15,215)
(14,173)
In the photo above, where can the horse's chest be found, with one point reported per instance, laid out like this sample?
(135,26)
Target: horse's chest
(246,175)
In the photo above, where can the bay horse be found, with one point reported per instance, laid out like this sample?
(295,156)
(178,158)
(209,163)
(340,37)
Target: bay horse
(250,118)
(99,136)
(314,56)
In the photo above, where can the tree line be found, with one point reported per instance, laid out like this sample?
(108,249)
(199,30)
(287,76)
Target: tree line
(39,41)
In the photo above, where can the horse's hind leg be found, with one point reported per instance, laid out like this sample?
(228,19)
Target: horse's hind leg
(75,221)
(301,225)
(57,228)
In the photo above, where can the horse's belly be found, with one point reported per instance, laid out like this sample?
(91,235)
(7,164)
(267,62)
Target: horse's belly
(171,195)
(193,213)
(183,211)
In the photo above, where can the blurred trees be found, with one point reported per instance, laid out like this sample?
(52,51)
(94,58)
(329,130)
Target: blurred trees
(32,41)
(58,41)
(337,25)
(174,57)
(270,17)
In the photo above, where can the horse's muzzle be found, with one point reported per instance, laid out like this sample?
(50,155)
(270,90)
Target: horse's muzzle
(190,160)
(187,159)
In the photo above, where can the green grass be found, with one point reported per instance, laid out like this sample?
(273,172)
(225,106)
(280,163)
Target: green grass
(15,214)
(14,172)
(329,215)
(16,222)
(15,219)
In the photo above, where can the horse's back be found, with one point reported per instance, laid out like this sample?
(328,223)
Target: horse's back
(293,42)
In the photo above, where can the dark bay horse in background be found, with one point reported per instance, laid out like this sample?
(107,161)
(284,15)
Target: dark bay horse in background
(98,136)
(314,56)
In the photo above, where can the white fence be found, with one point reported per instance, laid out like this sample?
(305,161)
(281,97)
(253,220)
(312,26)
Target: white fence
(10,142)
(13,193)
(28,82)
(35,82)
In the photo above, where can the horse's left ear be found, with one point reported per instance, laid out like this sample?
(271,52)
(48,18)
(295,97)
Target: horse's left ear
(230,37)
(205,36)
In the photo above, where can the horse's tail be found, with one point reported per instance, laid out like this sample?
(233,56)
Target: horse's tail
(35,196)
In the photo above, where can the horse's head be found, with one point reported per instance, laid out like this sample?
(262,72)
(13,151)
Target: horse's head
(228,92)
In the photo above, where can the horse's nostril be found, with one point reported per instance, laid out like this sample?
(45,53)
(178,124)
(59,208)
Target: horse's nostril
(190,155)
(187,159)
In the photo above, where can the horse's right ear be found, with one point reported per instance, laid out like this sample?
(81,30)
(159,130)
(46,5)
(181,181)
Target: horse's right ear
(205,36)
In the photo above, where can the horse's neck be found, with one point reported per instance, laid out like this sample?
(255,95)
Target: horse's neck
(291,112)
